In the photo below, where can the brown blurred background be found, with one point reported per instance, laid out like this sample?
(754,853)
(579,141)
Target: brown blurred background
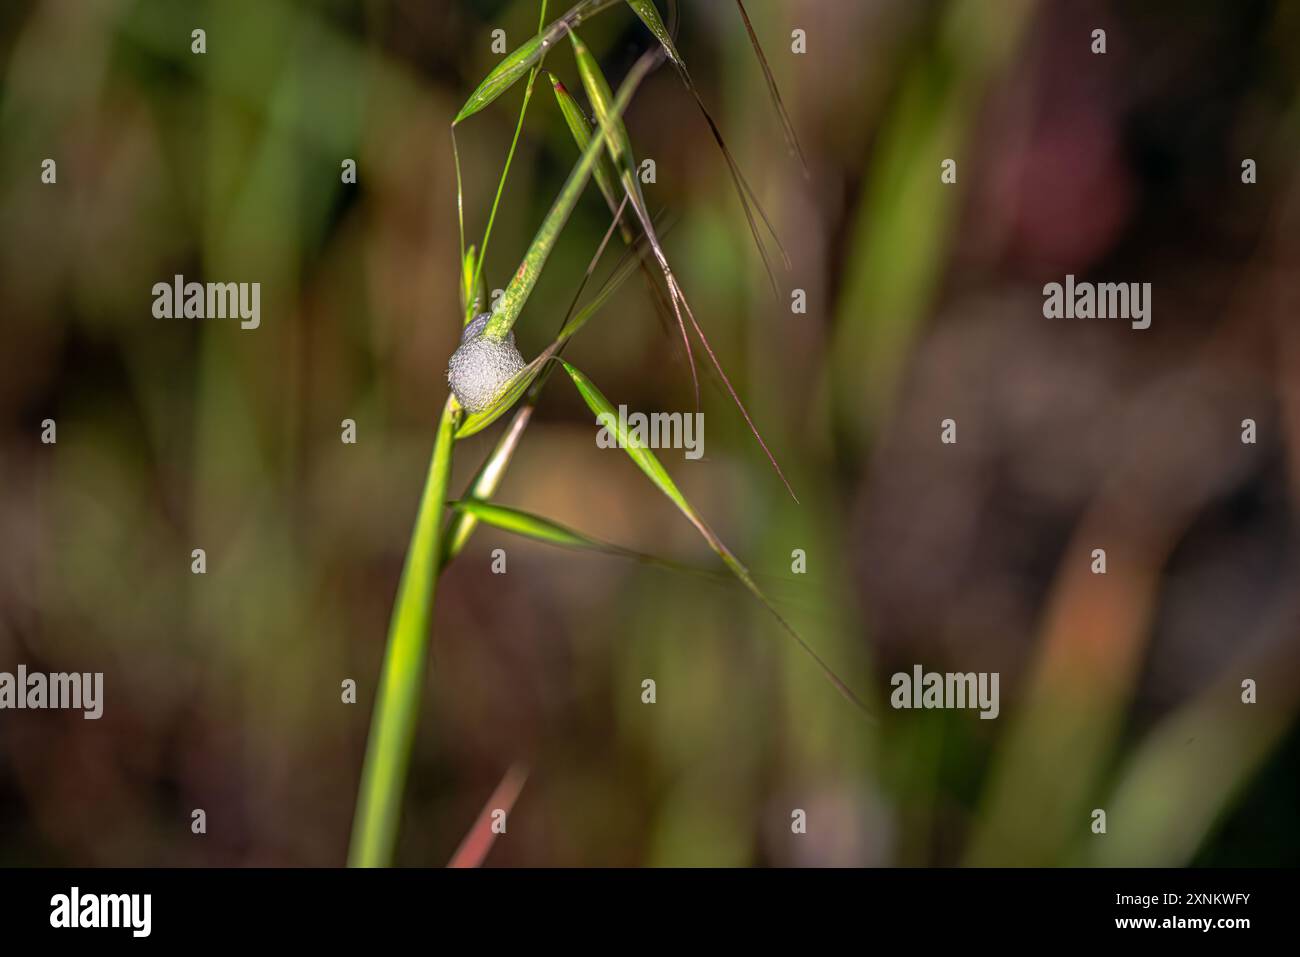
(222,692)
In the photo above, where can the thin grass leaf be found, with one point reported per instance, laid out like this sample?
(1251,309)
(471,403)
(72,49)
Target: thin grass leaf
(510,156)
(460,198)
(598,92)
(474,848)
(603,173)
(606,177)
(511,302)
(502,77)
(526,524)
(620,149)
(529,525)
(475,505)
(649,463)
(646,460)
(397,703)
(620,153)
(506,73)
(468,286)
(791,140)
(649,15)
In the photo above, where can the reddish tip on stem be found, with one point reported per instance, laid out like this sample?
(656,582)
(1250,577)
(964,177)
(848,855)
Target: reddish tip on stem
(476,844)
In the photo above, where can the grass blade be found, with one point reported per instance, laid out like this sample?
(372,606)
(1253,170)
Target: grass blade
(598,92)
(649,14)
(649,463)
(470,287)
(506,73)
(620,149)
(397,703)
(606,177)
(510,155)
(646,460)
(526,524)
(619,146)
(603,173)
(529,525)
(460,201)
(502,77)
(511,303)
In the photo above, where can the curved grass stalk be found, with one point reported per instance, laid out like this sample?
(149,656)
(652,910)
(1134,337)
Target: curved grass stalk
(397,705)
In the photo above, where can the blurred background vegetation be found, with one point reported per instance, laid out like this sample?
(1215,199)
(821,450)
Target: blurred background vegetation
(924,302)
